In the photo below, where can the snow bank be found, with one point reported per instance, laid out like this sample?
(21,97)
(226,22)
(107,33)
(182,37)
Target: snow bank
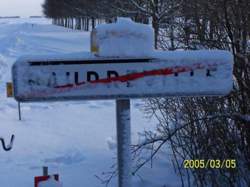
(50,183)
(124,39)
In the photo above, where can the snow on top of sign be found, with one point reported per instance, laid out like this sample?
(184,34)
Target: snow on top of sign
(193,54)
(122,24)
(54,57)
(173,57)
(203,56)
(125,38)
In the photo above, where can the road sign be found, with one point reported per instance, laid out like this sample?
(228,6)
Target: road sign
(39,179)
(9,89)
(200,73)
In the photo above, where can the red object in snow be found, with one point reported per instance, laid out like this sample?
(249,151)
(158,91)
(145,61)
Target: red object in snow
(44,178)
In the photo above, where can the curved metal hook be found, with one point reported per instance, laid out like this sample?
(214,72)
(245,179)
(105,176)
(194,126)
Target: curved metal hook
(8,147)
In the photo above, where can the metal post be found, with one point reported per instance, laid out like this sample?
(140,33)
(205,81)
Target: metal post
(45,171)
(19,111)
(123,142)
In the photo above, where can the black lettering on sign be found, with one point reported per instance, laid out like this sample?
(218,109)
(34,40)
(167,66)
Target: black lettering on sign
(91,74)
(68,77)
(76,78)
(111,74)
(54,79)
(192,73)
(208,73)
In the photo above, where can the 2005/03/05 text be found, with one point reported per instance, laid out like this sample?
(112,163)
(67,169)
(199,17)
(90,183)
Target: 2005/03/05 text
(210,164)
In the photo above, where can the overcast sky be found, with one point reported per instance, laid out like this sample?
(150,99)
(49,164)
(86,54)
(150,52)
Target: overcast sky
(22,8)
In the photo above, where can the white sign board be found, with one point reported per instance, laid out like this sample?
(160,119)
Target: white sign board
(198,73)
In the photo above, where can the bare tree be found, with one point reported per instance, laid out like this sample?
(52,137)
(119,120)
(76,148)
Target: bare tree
(194,128)
(211,128)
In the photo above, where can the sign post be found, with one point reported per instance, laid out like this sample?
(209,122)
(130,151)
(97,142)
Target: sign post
(9,93)
(45,177)
(19,111)
(123,128)
(167,74)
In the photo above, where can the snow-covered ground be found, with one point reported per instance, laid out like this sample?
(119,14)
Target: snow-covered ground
(75,139)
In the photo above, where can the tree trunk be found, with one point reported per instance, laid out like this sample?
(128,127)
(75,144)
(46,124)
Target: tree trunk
(93,22)
(155,24)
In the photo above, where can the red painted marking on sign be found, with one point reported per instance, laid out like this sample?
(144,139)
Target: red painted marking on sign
(66,86)
(135,76)
(129,77)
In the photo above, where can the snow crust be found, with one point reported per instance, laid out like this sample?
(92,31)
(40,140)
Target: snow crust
(125,38)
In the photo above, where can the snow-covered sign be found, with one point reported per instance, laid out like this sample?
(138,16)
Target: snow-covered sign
(82,77)
(47,181)
(50,183)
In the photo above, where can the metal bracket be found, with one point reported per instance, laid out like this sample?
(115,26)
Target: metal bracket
(8,147)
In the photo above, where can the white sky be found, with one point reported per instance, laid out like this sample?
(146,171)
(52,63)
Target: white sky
(22,8)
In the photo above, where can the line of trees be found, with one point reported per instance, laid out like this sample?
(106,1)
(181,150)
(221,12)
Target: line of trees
(80,14)
(73,14)
(205,128)
(84,14)
(194,128)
